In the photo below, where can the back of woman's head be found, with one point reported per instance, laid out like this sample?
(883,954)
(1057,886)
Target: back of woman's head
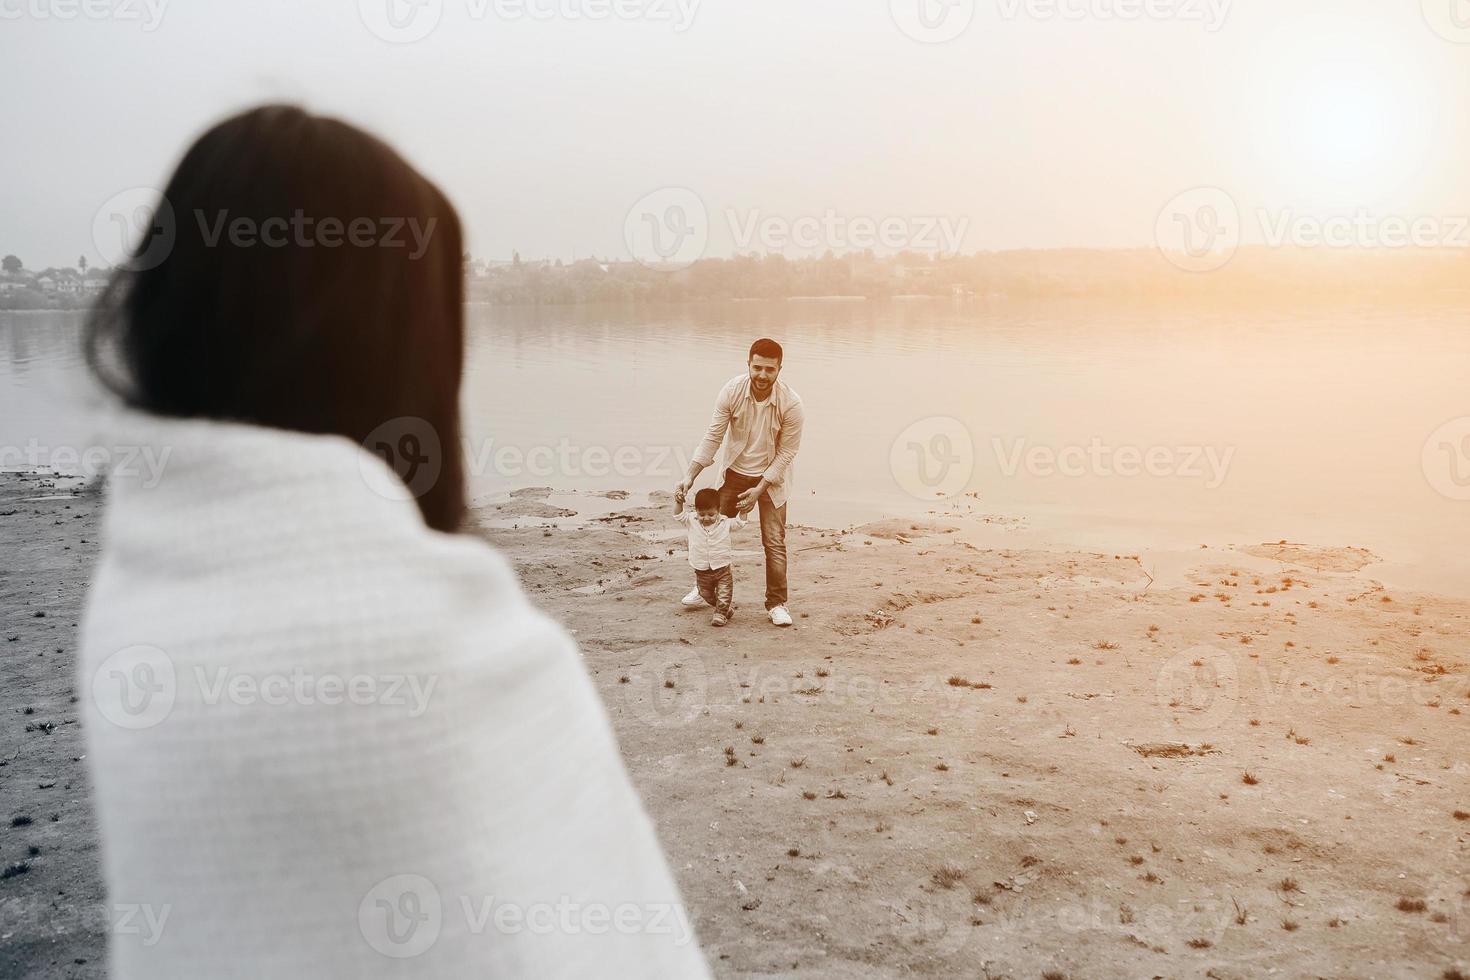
(299,274)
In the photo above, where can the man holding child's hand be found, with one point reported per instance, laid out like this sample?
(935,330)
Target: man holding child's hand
(762,418)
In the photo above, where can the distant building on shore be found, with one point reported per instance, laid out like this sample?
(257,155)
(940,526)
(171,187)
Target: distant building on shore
(65,286)
(67,282)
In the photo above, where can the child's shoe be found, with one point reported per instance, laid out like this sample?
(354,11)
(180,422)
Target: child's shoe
(720,620)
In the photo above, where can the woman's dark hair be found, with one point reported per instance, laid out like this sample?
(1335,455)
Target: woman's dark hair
(765,347)
(298,274)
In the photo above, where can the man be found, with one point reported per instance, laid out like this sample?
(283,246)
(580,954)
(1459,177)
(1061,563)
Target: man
(763,418)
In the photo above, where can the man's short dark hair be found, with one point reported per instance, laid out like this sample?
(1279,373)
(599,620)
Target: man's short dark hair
(707,499)
(765,347)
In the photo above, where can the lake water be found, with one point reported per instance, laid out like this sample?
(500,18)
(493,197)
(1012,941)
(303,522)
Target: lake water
(1062,425)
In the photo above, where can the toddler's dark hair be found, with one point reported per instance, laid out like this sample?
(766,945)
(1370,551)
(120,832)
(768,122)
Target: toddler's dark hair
(707,499)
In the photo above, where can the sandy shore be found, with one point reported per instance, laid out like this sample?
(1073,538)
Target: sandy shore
(960,761)
(53,914)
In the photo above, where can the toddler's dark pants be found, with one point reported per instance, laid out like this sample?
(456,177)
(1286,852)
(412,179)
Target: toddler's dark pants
(716,587)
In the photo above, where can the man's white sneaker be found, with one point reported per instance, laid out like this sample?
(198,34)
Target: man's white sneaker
(694,600)
(780,616)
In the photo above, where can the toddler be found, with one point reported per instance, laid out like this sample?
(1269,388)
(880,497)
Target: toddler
(710,553)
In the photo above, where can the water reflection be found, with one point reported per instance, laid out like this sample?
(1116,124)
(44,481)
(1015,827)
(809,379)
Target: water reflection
(1319,418)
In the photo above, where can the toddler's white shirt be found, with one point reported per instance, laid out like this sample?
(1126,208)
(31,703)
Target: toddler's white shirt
(709,547)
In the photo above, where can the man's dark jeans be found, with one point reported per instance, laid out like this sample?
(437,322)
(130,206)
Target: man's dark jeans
(773,532)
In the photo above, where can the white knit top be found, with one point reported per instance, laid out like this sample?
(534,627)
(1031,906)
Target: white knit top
(326,741)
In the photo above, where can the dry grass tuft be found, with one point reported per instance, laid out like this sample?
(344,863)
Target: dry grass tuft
(948,876)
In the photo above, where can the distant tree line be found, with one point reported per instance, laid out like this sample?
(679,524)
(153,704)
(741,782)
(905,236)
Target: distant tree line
(1252,274)
(1144,274)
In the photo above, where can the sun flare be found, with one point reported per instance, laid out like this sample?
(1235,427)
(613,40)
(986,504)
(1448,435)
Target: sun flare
(1350,123)
(1352,136)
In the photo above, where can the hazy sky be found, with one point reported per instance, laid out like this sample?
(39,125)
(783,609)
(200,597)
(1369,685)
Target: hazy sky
(1042,123)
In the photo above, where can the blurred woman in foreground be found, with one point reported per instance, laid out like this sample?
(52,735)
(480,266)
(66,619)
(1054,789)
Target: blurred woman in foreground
(328,735)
